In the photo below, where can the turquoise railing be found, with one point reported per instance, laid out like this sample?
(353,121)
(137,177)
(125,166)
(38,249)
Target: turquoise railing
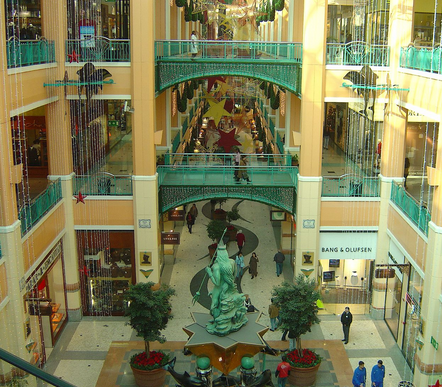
(219,159)
(279,143)
(176,142)
(422,59)
(22,53)
(31,213)
(350,185)
(228,49)
(358,53)
(184,127)
(99,49)
(103,183)
(23,373)
(415,211)
(224,175)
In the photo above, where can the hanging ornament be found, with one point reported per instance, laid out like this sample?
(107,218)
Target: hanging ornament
(174,103)
(274,101)
(73,57)
(279,5)
(282,107)
(80,197)
(180,3)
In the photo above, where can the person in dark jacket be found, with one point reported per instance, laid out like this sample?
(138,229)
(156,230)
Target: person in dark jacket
(190,221)
(253,265)
(240,240)
(346,320)
(279,259)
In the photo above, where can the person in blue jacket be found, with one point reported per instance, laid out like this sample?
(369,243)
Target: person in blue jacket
(378,374)
(359,376)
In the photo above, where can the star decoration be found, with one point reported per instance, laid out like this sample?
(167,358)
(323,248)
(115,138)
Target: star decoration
(85,270)
(80,198)
(247,142)
(223,88)
(211,81)
(250,16)
(73,57)
(225,352)
(437,384)
(227,140)
(212,136)
(217,111)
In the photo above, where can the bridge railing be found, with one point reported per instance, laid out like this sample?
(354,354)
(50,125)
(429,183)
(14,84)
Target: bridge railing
(29,52)
(228,49)
(224,175)
(226,159)
(358,53)
(23,373)
(103,183)
(350,185)
(421,58)
(415,211)
(99,49)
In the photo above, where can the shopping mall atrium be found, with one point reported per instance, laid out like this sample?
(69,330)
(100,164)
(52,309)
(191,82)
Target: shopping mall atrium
(309,126)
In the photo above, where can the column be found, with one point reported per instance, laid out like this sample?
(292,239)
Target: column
(312,115)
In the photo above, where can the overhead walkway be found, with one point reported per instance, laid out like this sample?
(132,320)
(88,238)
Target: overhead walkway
(275,62)
(186,180)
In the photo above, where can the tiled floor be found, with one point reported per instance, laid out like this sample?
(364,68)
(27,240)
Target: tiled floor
(94,352)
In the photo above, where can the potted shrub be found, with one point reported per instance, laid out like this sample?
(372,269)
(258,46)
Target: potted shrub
(295,160)
(149,312)
(219,214)
(231,230)
(298,312)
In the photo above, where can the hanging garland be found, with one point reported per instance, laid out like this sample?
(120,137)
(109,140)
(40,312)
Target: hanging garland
(278,5)
(180,3)
(274,102)
(188,89)
(181,102)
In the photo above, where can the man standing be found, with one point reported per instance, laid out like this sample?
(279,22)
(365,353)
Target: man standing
(279,259)
(346,320)
(282,371)
(273,314)
(359,376)
(240,240)
(194,211)
(378,374)
(239,260)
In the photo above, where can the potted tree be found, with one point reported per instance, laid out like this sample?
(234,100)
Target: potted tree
(295,160)
(215,230)
(149,312)
(232,215)
(298,312)
(219,213)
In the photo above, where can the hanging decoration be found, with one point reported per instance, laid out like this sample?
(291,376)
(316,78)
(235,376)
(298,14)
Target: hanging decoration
(217,111)
(74,57)
(227,140)
(80,197)
(282,104)
(91,79)
(174,103)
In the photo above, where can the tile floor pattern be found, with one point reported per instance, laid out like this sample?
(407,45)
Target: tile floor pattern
(94,352)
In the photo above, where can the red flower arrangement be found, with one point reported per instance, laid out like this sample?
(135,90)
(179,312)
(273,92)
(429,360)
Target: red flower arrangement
(303,359)
(213,246)
(231,228)
(220,211)
(156,359)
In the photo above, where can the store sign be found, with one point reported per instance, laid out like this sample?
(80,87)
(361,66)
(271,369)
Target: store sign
(113,123)
(434,343)
(170,238)
(347,245)
(32,281)
(176,215)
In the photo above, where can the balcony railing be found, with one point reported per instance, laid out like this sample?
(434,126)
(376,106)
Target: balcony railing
(31,213)
(358,53)
(229,49)
(99,49)
(350,185)
(422,59)
(103,183)
(24,374)
(29,52)
(227,159)
(415,211)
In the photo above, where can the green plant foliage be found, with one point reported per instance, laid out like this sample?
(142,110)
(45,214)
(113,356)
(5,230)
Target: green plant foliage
(263,85)
(188,88)
(181,102)
(279,5)
(187,13)
(272,13)
(180,3)
(270,92)
(149,310)
(233,214)
(215,230)
(297,305)
(194,14)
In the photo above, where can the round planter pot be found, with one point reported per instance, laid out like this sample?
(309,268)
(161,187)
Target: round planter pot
(219,216)
(154,378)
(303,377)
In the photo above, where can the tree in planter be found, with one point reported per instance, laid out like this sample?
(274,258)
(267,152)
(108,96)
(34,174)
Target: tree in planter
(233,215)
(215,230)
(297,306)
(149,311)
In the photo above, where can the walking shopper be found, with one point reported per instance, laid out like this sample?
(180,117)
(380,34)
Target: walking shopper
(279,258)
(346,320)
(253,265)
(194,211)
(359,375)
(273,314)
(190,221)
(239,260)
(240,240)
(193,44)
(282,371)
(378,374)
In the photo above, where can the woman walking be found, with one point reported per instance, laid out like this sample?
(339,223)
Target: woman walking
(253,265)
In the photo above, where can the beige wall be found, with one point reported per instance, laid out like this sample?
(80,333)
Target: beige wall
(100,212)
(3,282)
(356,214)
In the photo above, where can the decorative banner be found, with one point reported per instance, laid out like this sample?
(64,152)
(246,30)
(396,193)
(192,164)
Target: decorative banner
(145,258)
(170,238)
(307,272)
(308,257)
(146,273)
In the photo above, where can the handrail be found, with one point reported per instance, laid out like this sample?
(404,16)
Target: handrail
(288,52)
(29,52)
(99,49)
(226,159)
(358,53)
(422,59)
(30,369)
(350,185)
(103,183)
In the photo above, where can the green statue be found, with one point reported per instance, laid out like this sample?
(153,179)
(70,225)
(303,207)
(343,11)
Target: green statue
(227,308)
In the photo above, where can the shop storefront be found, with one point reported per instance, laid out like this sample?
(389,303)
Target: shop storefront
(346,261)
(106,261)
(45,303)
